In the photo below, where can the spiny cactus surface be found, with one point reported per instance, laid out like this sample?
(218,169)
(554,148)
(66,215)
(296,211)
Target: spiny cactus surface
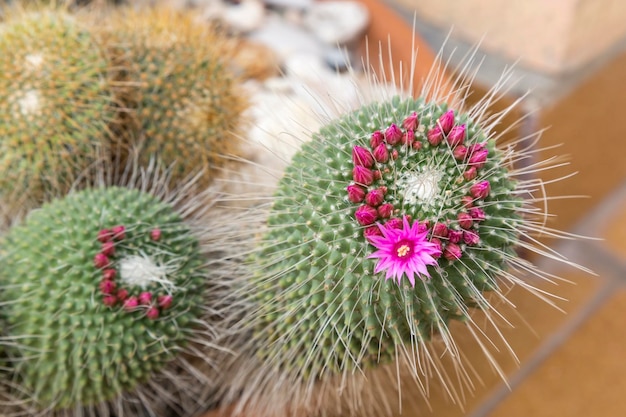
(54,102)
(99,290)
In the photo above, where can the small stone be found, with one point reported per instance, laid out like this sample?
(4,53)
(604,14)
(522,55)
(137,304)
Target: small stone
(337,22)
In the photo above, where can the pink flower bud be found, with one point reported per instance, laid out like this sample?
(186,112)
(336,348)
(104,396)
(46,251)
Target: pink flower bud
(131,303)
(145,298)
(477,214)
(165,301)
(385,210)
(376,139)
(437,242)
(470,238)
(440,230)
(417,145)
(366,215)
(104,235)
(394,223)
(119,232)
(460,153)
(152,313)
(109,300)
(362,156)
(470,173)
(465,220)
(478,158)
(375,198)
(467,201)
(480,189)
(408,138)
(377,175)
(456,135)
(422,226)
(394,154)
(393,134)
(476,147)
(372,231)
(107,287)
(108,248)
(411,122)
(101,261)
(356,193)
(122,294)
(109,274)
(434,136)
(455,236)
(155,234)
(381,154)
(446,121)
(452,252)
(362,175)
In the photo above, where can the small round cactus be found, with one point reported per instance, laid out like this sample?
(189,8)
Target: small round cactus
(182,101)
(101,290)
(55,103)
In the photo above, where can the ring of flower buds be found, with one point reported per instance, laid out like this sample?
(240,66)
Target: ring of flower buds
(112,293)
(369,189)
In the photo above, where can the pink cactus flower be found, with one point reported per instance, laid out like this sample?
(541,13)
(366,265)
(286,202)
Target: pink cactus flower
(404,251)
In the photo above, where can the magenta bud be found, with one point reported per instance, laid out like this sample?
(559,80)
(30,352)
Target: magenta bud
(362,175)
(417,145)
(376,139)
(422,226)
(107,287)
(385,210)
(456,136)
(446,121)
(437,242)
(122,294)
(109,300)
(434,136)
(394,154)
(465,220)
(366,215)
(480,189)
(101,261)
(411,122)
(108,248)
(467,201)
(362,156)
(478,158)
(152,313)
(155,234)
(119,232)
(408,138)
(393,134)
(470,238)
(372,231)
(460,152)
(356,193)
(440,230)
(377,175)
(375,197)
(477,214)
(381,154)
(104,235)
(165,301)
(455,236)
(452,252)
(470,173)
(394,223)
(145,298)
(131,303)
(109,274)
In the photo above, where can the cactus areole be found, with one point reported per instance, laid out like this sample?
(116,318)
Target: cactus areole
(100,290)
(391,222)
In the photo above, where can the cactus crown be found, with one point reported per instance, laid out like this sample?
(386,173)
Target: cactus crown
(99,289)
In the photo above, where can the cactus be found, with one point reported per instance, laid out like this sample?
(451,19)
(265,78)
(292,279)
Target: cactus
(183,101)
(109,298)
(55,103)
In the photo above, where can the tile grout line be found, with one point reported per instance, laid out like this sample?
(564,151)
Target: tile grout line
(547,349)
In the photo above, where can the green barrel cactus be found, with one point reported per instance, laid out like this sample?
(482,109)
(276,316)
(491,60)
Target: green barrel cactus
(100,289)
(182,98)
(55,103)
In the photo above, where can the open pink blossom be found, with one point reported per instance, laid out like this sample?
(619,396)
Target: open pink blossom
(404,251)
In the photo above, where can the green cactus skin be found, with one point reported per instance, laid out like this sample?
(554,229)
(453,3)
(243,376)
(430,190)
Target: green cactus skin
(55,103)
(185,107)
(72,347)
